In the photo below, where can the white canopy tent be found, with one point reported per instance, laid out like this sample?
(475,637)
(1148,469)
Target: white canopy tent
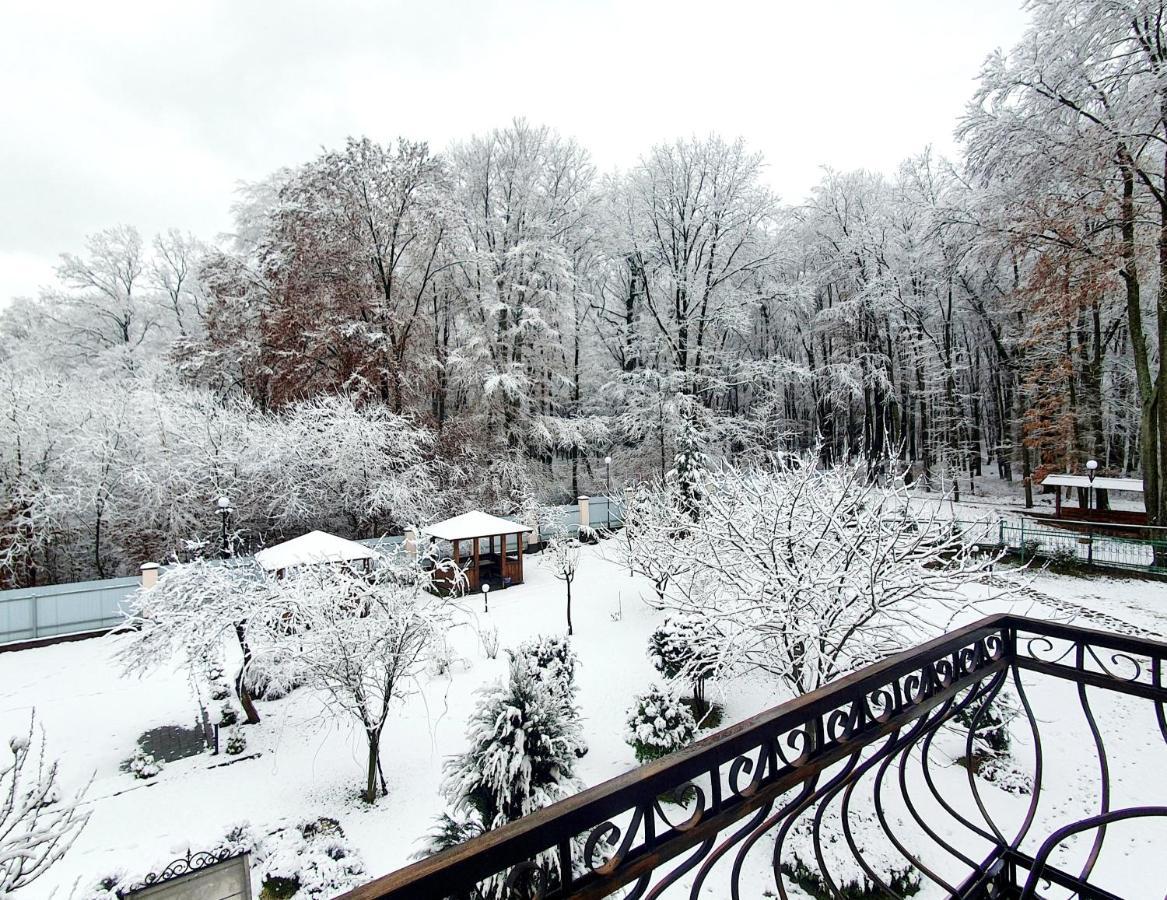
(311,549)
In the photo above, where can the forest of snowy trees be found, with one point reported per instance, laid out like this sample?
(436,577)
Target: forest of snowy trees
(394,332)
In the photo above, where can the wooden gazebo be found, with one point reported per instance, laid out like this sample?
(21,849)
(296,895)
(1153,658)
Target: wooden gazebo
(497,562)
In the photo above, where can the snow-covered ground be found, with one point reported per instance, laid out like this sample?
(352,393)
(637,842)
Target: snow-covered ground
(300,764)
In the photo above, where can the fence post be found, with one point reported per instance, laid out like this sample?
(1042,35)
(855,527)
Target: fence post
(1000,532)
(585,513)
(1089,546)
(1022,539)
(35,601)
(149,575)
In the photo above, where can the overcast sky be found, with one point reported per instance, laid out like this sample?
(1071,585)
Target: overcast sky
(150,114)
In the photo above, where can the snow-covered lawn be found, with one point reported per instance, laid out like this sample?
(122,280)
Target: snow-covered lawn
(299,763)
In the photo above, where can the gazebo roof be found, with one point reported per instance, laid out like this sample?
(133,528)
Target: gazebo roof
(1101,482)
(310,548)
(473,525)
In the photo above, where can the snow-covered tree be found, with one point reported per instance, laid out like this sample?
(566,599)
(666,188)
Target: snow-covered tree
(562,557)
(361,641)
(521,758)
(688,648)
(687,477)
(197,610)
(806,572)
(37,825)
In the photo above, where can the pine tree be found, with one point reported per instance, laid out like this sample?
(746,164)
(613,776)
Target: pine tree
(523,738)
(687,476)
(686,647)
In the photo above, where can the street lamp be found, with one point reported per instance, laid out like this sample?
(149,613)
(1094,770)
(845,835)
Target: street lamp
(223,507)
(486,597)
(608,505)
(1091,471)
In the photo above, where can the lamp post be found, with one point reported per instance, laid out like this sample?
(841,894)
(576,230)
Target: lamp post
(485,597)
(608,504)
(223,507)
(1091,471)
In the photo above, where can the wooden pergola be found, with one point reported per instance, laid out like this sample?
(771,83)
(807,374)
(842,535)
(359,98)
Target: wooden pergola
(495,564)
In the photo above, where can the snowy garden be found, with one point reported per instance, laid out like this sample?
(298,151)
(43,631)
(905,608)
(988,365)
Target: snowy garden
(366,719)
(298,563)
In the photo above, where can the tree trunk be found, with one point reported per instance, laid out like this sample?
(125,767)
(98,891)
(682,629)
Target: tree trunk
(250,712)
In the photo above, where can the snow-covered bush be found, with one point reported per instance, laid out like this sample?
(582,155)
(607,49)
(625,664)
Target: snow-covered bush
(659,724)
(236,741)
(991,757)
(271,677)
(489,638)
(550,659)
(441,657)
(798,858)
(313,860)
(143,765)
(228,714)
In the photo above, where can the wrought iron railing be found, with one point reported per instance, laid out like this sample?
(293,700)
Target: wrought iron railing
(875,785)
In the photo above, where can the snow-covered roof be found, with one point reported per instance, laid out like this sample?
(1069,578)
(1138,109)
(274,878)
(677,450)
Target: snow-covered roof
(313,547)
(1101,482)
(471,525)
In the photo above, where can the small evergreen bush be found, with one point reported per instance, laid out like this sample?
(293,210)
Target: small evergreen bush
(659,724)
(236,741)
(143,765)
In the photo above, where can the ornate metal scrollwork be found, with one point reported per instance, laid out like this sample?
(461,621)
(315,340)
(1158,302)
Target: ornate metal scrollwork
(184,865)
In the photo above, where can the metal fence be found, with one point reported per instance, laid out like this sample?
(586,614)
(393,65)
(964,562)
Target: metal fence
(1087,547)
(27,614)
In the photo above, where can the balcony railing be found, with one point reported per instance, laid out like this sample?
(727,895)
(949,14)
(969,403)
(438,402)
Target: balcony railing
(855,773)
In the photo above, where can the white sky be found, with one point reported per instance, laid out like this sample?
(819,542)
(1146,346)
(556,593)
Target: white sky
(150,113)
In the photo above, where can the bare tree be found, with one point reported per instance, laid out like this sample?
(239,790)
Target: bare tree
(37,826)
(808,573)
(562,557)
(361,641)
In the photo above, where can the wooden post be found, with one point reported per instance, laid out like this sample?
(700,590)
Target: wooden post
(519,543)
(1058,502)
(477,570)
